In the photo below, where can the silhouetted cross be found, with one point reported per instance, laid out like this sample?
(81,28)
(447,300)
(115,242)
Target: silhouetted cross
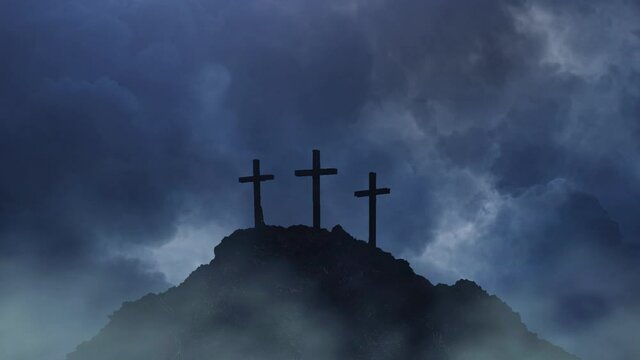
(372,193)
(256,179)
(315,173)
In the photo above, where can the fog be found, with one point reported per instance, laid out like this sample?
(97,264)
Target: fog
(507,131)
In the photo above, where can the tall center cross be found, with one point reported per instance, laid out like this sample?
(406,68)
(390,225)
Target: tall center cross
(372,193)
(315,174)
(256,179)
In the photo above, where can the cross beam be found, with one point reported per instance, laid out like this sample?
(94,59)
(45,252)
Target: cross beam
(372,193)
(315,172)
(256,179)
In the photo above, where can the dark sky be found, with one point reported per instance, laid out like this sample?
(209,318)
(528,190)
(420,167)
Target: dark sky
(508,130)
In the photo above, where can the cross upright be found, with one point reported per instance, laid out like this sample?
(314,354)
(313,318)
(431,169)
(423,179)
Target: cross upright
(315,172)
(256,179)
(372,193)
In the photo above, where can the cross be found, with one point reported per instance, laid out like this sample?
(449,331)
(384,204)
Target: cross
(372,193)
(256,179)
(315,174)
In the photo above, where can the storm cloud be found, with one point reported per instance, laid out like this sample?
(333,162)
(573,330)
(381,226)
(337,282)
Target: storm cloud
(508,131)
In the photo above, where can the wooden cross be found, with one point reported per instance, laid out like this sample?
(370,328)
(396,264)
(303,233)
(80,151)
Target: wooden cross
(256,179)
(372,193)
(315,174)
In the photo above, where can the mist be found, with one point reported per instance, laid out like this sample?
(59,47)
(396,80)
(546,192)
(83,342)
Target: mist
(507,131)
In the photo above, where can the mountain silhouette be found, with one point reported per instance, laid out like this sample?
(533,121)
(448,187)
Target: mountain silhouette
(305,293)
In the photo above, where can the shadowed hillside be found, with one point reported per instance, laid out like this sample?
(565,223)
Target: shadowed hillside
(300,293)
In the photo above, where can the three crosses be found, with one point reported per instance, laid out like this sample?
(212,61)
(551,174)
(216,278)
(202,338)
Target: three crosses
(315,172)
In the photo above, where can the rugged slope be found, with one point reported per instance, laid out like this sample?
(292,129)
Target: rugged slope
(300,293)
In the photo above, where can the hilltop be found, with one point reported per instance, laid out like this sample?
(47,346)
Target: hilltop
(302,293)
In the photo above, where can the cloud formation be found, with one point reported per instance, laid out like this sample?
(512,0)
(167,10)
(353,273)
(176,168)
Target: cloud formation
(507,130)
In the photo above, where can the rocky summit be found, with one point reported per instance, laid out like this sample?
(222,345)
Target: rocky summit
(302,293)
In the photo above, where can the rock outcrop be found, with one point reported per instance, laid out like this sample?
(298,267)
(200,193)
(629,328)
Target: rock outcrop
(300,293)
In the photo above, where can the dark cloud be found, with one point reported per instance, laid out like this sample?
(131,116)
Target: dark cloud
(507,130)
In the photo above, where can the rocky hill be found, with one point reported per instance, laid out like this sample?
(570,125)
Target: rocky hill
(300,293)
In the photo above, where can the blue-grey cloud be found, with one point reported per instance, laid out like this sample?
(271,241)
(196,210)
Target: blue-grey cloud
(507,130)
